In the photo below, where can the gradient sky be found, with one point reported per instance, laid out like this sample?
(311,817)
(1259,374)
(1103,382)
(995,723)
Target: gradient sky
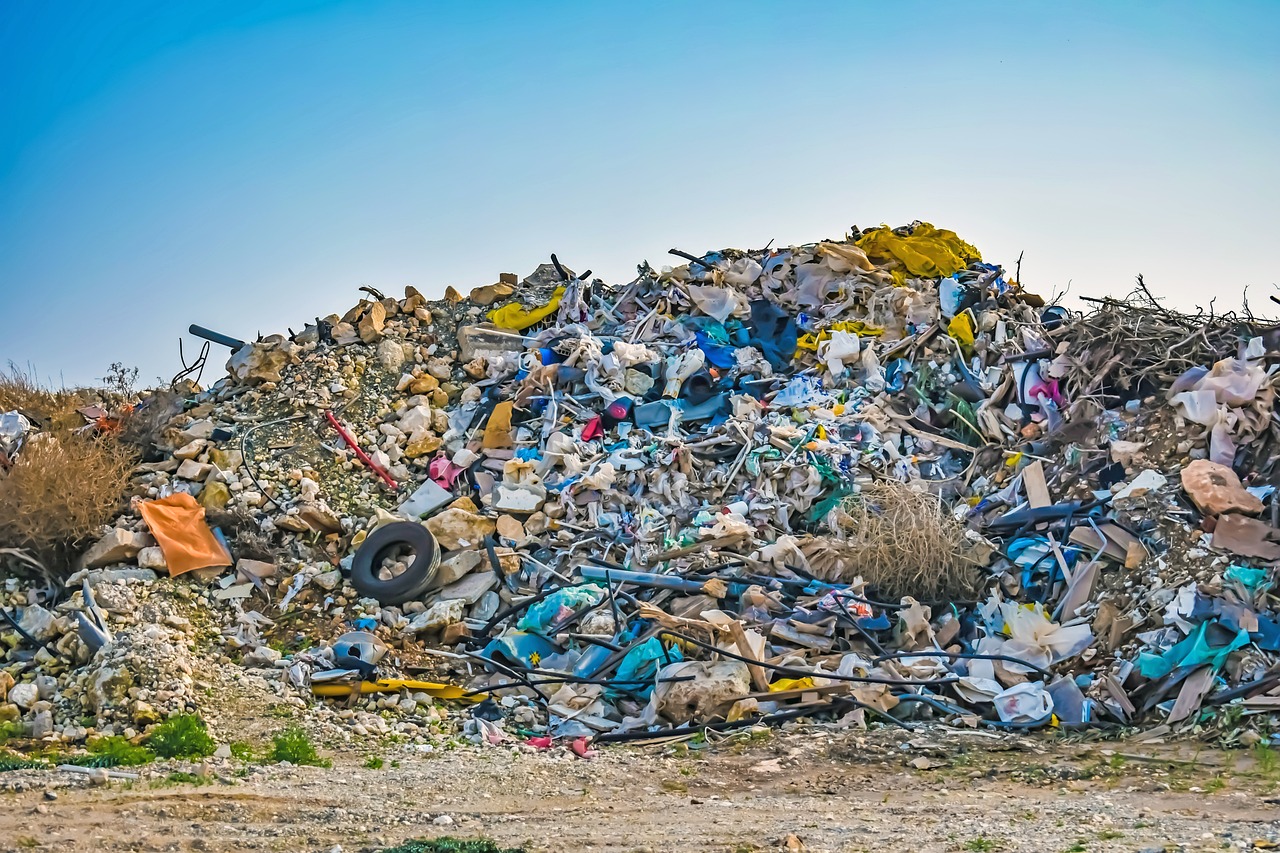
(248,166)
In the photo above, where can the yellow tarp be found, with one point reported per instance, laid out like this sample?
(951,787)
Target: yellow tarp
(928,253)
(513,315)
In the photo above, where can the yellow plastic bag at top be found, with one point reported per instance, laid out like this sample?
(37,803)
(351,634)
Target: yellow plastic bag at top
(513,315)
(927,253)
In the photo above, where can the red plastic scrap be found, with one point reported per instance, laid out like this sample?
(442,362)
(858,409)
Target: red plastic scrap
(364,457)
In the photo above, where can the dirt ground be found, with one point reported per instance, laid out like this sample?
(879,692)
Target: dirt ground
(810,790)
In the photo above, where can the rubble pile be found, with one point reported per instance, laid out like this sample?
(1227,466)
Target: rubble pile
(871,480)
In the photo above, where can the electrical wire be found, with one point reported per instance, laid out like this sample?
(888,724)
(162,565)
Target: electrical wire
(795,672)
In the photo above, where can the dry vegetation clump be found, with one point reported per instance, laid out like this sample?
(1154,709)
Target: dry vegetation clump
(64,484)
(20,391)
(63,487)
(901,542)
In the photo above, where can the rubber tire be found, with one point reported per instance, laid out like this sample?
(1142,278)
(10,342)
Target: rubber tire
(413,581)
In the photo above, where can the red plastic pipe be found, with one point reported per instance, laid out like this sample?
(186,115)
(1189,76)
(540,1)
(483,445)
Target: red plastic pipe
(364,457)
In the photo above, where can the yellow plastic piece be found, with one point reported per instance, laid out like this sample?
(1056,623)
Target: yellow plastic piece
(810,341)
(395,685)
(513,315)
(961,328)
(791,684)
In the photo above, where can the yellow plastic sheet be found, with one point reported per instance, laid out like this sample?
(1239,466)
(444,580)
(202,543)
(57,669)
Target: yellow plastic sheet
(791,684)
(395,685)
(513,315)
(810,341)
(961,328)
(928,253)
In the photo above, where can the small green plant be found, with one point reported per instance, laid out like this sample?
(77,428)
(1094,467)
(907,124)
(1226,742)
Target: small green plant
(451,845)
(981,844)
(181,777)
(26,842)
(293,745)
(1110,835)
(1078,847)
(1217,783)
(241,750)
(373,762)
(117,751)
(1266,759)
(181,736)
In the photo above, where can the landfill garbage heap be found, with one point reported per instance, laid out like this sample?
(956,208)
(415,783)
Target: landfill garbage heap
(871,480)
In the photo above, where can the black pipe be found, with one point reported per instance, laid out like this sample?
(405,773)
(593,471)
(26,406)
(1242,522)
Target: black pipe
(216,337)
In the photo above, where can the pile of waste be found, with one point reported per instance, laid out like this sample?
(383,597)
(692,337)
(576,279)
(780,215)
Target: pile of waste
(870,480)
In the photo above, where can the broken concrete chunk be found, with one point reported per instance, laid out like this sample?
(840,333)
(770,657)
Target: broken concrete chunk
(372,323)
(191,449)
(24,695)
(391,354)
(328,580)
(108,688)
(255,569)
(457,565)
(522,498)
(257,363)
(262,657)
(457,528)
(38,622)
(1215,489)
(318,517)
(117,546)
(491,293)
(470,588)
(438,616)
(714,688)
(199,430)
(194,471)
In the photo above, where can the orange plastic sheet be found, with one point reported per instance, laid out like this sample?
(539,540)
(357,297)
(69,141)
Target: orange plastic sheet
(178,524)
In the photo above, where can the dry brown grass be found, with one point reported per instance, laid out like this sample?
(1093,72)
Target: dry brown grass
(21,391)
(901,542)
(62,488)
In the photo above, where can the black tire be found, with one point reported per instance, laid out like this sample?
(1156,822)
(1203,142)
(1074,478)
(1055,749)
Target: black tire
(409,584)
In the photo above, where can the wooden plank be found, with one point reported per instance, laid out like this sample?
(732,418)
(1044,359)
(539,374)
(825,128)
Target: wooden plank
(758,677)
(1037,488)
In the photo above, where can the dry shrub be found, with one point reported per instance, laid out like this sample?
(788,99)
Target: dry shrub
(63,487)
(901,542)
(21,391)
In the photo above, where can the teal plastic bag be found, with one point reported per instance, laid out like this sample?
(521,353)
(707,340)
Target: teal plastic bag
(641,664)
(1193,651)
(539,618)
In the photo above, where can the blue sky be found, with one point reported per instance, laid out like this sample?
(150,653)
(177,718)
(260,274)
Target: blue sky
(248,166)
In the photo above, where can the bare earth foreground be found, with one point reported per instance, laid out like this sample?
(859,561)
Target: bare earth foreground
(936,790)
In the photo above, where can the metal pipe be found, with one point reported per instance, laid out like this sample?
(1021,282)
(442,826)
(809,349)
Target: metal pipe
(216,337)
